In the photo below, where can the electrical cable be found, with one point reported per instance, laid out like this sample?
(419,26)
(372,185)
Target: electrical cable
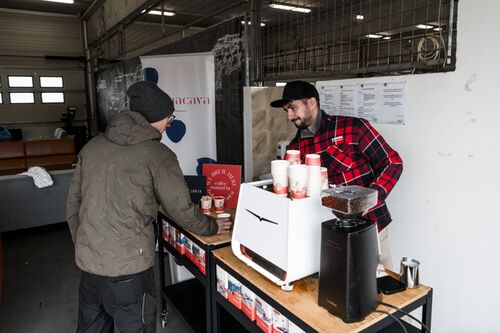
(408,314)
(393,317)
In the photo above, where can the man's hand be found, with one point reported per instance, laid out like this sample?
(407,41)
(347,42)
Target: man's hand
(224,225)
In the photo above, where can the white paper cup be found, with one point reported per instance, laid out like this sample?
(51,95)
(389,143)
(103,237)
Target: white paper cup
(279,172)
(224,216)
(219,204)
(206,204)
(293,156)
(314,181)
(313,160)
(298,180)
(324,178)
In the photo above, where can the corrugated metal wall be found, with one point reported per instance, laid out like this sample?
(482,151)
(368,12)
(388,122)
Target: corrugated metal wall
(26,39)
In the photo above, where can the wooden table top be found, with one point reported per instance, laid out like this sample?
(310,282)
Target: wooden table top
(303,300)
(215,239)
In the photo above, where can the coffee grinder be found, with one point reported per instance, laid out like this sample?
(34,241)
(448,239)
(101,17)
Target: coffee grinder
(349,254)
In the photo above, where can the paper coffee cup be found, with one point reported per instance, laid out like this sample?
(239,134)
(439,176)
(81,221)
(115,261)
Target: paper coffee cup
(298,180)
(324,178)
(314,181)
(279,172)
(313,160)
(219,204)
(293,156)
(206,204)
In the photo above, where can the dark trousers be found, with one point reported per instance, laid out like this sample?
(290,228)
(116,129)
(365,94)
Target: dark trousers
(126,301)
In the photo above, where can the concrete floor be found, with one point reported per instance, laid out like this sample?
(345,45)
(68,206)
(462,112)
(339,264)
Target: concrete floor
(41,284)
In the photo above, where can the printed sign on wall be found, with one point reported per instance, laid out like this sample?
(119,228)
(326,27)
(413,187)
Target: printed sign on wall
(223,180)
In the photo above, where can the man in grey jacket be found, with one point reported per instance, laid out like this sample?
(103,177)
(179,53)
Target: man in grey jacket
(121,178)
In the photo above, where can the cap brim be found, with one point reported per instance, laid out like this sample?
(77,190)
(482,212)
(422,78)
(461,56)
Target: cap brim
(279,103)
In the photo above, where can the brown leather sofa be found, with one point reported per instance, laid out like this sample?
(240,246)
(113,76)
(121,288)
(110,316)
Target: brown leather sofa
(18,156)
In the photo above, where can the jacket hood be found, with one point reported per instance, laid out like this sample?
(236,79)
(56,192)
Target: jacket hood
(128,128)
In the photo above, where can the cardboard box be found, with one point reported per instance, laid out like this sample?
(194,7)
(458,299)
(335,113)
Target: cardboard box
(234,291)
(189,249)
(248,302)
(180,242)
(201,261)
(292,328)
(173,232)
(196,254)
(280,322)
(221,281)
(264,315)
(166,230)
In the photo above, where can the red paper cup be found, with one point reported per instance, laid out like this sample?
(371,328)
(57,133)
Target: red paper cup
(206,204)
(298,181)
(313,160)
(219,204)
(293,156)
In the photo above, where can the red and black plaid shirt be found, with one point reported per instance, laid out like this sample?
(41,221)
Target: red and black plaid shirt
(355,154)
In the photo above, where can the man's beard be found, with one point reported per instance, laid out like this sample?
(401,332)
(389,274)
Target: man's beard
(304,123)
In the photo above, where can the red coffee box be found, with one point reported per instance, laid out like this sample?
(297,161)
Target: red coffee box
(292,328)
(201,261)
(248,302)
(173,232)
(196,254)
(221,281)
(234,291)
(180,242)
(189,249)
(280,322)
(264,315)
(166,231)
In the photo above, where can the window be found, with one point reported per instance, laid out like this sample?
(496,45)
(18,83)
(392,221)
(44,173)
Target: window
(1,100)
(51,81)
(22,98)
(52,97)
(20,81)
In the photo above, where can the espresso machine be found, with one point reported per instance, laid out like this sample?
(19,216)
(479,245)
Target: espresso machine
(349,254)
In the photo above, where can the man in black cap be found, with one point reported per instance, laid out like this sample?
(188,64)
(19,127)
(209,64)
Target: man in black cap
(121,178)
(352,150)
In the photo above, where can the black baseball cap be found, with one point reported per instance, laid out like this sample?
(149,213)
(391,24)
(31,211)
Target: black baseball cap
(296,90)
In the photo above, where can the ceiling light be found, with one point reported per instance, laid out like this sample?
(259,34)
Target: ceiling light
(262,24)
(62,1)
(280,84)
(359,17)
(291,8)
(158,12)
(386,37)
(424,26)
(437,29)
(374,36)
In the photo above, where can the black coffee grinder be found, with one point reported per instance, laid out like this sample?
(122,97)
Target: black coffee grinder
(349,254)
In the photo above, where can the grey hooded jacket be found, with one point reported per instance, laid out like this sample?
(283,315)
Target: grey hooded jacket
(120,179)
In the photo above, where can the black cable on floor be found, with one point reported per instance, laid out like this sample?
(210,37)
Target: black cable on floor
(406,313)
(393,317)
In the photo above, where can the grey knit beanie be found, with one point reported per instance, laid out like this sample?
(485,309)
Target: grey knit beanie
(149,100)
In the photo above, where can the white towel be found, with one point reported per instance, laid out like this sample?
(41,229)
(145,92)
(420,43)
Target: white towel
(40,176)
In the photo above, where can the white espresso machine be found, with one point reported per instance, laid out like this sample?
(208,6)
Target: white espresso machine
(277,236)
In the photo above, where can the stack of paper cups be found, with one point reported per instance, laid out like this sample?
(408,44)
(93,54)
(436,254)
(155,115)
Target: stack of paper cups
(324,178)
(298,180)
(314,181)
(279,171)
(293,156)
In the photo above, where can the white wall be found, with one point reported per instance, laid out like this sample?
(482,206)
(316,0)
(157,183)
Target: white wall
(444,206)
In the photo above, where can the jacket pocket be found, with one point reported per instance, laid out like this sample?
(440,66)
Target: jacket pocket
(148,313)
(124,291)
(340,160)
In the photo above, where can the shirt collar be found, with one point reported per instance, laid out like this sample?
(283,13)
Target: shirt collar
(311,130)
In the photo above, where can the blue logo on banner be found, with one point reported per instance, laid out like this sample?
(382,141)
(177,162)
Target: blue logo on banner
(176,131)
(204,160)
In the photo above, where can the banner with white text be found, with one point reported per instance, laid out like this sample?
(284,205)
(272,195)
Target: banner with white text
(189,79)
